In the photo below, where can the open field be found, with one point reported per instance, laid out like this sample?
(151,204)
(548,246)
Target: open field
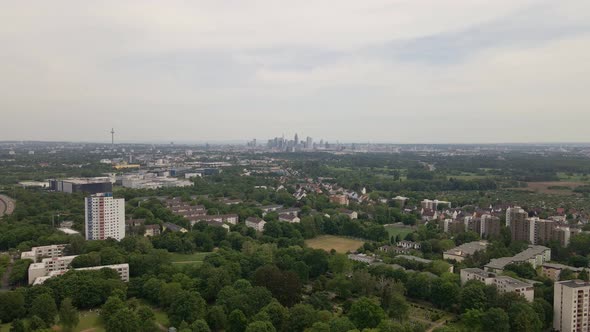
(194,258)
(553,187)
(329,242)
(395,230)
(573,177)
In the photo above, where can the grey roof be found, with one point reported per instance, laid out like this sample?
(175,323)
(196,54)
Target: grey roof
(562,267)
(574,283)
(467,248)
(530,253)
(514,282)
(414,258)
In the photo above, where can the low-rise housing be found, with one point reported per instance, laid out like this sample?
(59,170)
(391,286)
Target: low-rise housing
(151,230)
(256,223)
(289,218)
(174,228)
(466,249)
(351,214)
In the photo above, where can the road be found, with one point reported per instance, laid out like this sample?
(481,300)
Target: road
(6,205)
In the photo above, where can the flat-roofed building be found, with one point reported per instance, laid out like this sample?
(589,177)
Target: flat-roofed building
(535,255)
(553,270)
(38,253)
(571,306)
(504,284)
(467,249)
(87,185)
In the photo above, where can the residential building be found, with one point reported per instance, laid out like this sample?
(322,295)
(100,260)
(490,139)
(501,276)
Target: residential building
(351,214)
(409,245)
(515,213)
(553,270)
(151,230)
(433,204)
(401,201)
(571,306)
(47,265)
(174,228)
(535,255)
(467,249)
(504,284)
(363,258)
(256,223)
(105,217)
(38,253)
(289,218)
(339,199)
(489,226)
(121,269)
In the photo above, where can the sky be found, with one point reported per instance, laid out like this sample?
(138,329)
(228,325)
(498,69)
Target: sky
(403,71)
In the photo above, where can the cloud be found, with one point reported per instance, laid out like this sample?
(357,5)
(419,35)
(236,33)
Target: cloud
(404,71)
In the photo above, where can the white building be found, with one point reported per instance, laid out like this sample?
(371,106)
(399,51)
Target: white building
(504,284)
(466,249)
(256,223)
(48,265)
(535,255)
(571,305)
(105,217)
(38,253)
(121,269)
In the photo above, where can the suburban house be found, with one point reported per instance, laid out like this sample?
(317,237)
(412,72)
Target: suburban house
(256,223)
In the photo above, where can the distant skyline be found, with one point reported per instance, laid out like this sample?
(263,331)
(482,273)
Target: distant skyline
(404,71)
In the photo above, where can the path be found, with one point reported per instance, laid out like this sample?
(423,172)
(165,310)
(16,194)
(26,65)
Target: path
(6,205)
(5,285)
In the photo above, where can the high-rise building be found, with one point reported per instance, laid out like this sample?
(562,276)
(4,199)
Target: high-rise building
(105,217)
(515,213)
(571,305)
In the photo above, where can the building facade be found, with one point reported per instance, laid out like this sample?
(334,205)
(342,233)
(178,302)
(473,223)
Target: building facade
(571,306)
(105,217)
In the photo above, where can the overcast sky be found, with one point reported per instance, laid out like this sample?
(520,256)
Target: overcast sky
(404,71)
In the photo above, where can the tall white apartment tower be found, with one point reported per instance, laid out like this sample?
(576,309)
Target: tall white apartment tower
(570,306)
(105,217)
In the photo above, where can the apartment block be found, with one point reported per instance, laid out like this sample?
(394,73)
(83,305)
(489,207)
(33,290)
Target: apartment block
(48,265)
(571,306)
(105,217)
(535,255)
(504,284)
(38,253)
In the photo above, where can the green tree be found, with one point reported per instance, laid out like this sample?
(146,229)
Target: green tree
(495,320)
(341,324)
(472,319)
(277,314)
(237,321)
(147,319)
(12,306)
(189,306)
(124,320)
(68,315)
(200,326)
(301,316)
(44,307)
(260,327)
(319,327)
(339,263)
(216,318)
(113,305)
(18,326)
(444,294)
(524,319)
(36,323)
(473,296)
(365,313)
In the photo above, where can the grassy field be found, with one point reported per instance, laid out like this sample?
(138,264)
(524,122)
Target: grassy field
(394,230)
(194,258)
(553,187)
(90,322)
(329,242)
(575,177)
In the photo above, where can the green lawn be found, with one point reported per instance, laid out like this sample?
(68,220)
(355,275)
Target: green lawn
(574,177)
(397,230)
(5,328)
(89,320)
(194,258)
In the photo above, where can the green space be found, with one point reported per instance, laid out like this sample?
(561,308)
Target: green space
(394,230)
(89,320)
(194,258)
(577,177)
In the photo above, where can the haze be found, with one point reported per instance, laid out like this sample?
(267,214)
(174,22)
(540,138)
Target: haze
(381,71)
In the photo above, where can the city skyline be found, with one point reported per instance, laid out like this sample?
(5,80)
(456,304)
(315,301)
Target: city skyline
(384,71)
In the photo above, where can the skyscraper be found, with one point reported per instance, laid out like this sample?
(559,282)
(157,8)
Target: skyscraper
(105,217)
(296,139)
